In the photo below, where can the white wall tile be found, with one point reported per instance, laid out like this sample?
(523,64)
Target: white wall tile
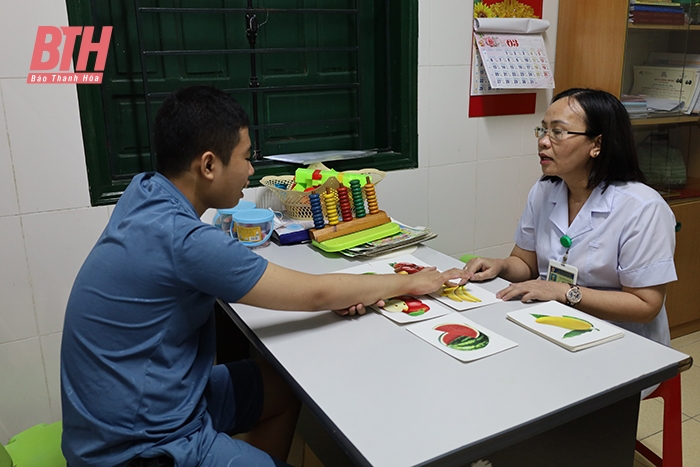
(530,172)
(453,135)
(57,244)
(550,12)
(423,117)
(498,251)
(451,209)
(423,33)
(403,195)
(51,350)
(8,191)
(499,137)
(25,400)
(47,147)
(17,318)
(451,32)
(496,202)
(18,23)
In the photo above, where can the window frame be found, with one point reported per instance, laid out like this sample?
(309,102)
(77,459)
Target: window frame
(402,125)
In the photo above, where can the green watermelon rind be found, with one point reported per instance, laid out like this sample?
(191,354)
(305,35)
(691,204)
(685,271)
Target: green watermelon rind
(469,343)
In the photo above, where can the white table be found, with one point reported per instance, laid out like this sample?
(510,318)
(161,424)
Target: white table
(389,399)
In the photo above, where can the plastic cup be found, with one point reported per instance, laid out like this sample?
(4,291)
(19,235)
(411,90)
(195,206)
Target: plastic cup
(254,226)
(224,217)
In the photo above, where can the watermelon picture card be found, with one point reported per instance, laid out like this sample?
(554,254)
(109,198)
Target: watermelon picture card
(409,308)
(460,337)
(566,326)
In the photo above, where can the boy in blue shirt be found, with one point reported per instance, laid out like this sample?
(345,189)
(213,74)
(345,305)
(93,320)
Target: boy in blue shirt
(139,387)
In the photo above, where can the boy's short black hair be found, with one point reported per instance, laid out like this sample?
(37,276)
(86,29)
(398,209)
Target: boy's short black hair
(192,121)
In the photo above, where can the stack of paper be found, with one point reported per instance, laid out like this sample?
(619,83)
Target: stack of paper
(636,106)
(670,81)
(406,237)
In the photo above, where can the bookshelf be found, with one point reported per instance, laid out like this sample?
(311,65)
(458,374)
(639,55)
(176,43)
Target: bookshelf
(597,47)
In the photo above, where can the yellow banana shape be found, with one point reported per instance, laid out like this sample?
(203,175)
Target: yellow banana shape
(565,322)
(466,296)
(449,292)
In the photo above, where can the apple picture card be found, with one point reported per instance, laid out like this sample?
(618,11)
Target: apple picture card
(409,308)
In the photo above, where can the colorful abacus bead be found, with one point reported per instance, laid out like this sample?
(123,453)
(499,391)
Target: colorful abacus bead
(317,211)
(344,201)
(371,197)
(357,199)
(331,210)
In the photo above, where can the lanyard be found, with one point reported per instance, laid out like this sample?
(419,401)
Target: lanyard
(565,241)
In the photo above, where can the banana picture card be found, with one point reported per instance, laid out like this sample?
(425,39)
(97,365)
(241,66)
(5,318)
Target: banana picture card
(460,337)
(570,328)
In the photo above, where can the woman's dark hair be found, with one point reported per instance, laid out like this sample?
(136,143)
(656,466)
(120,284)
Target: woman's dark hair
(605,115)
(192,121)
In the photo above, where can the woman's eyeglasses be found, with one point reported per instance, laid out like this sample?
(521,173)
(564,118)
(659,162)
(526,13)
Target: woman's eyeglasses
(556,134)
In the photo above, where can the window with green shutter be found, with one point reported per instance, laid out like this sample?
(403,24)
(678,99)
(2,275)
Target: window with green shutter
(320,75)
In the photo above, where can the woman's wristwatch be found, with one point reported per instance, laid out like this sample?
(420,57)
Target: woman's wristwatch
(573,295)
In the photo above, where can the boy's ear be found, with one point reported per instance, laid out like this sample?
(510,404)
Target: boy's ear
(207,164)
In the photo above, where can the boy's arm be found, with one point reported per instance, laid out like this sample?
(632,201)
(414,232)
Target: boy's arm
(280,288)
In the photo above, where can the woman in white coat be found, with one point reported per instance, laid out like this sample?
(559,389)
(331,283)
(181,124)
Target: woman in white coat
(592,212)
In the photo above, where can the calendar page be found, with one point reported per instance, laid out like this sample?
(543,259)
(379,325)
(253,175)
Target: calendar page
(509,62)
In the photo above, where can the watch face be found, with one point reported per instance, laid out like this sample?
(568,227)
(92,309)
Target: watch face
(573,295)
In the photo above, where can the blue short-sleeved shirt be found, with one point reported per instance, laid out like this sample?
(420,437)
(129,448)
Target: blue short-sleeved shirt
(139,339)
(623,236)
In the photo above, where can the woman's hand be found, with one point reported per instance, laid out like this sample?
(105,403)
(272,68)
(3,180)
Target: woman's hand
(482,269)
(535,290)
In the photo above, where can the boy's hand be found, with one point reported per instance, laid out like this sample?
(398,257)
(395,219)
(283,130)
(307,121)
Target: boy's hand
(358,309)
(431,280)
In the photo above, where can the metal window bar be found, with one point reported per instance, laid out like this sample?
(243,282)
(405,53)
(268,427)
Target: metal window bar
(253,88)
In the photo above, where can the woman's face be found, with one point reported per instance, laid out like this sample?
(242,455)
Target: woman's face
(570,157)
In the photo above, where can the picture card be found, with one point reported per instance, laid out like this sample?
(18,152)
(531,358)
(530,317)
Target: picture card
(566,326)
(465,297)
(409,308)
(460,337)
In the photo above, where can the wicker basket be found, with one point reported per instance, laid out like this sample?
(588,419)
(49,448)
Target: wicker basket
(296,203)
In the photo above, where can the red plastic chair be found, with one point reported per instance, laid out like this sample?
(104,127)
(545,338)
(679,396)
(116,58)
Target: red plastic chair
(670,392)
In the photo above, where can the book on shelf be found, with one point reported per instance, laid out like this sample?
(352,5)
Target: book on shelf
(657,9)
(565,326)
(667,82)
(650,17)
(654,2)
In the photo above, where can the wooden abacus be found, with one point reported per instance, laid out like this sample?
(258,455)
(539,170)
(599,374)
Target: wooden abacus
(361,221)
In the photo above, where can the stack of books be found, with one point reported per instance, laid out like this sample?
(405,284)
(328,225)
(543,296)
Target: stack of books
(635,105)
(656,12)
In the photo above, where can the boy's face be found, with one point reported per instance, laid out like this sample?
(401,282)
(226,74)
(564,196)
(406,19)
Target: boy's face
(236,173)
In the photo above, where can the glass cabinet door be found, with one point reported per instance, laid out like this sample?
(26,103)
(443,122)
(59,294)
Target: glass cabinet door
(661,90)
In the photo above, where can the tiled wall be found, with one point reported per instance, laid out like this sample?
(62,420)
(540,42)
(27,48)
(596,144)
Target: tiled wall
(471,185)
